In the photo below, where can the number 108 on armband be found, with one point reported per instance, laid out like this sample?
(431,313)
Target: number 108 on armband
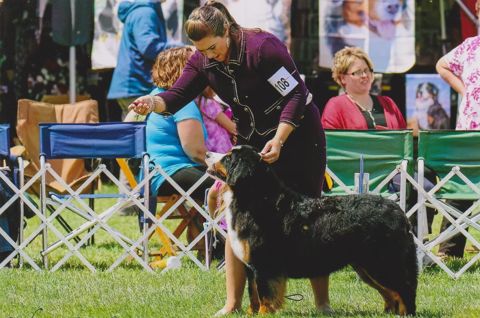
(283,81)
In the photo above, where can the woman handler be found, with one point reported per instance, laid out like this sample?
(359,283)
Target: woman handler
(252,71)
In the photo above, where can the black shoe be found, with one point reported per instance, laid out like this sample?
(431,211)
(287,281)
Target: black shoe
(4,255)
(131,210)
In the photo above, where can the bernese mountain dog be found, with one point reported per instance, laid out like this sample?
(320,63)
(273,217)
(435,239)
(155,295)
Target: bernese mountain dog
(281,234)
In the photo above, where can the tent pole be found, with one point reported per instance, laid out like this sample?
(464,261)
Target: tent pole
(443,31)
(72,59)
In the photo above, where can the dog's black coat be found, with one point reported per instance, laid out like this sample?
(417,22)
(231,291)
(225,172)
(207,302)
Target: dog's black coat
(290,235)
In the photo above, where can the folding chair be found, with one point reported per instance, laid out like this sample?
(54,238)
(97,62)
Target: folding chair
(455,158)
(183,212)
(9,211)
(107,141)
(172,206)
(13,196)
(73,171)
(187,217)
(370,158)
(186,213)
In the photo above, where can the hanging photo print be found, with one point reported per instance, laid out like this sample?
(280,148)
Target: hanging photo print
(270,15)
(428,102)
(107,34)
(108,30)
(385,29)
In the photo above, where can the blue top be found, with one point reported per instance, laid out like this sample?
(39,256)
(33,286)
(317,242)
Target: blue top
(143,37)
(163,141)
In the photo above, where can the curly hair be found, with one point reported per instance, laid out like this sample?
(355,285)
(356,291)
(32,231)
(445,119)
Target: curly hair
(344,58)
(169,64)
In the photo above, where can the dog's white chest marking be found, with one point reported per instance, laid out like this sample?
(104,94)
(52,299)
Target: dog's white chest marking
(237,246)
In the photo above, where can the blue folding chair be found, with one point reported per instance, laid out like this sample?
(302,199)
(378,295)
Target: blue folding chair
(12,202)
(86,141)
(7,238)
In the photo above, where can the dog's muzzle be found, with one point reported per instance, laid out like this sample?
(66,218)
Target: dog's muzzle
(211,158)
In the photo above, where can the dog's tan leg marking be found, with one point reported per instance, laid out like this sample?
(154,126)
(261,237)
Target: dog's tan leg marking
(246,251)
(278,288)
(393,301)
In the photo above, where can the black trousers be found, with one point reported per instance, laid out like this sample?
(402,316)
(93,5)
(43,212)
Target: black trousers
(185,178)
(456,244)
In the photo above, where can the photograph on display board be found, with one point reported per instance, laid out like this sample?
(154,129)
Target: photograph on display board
(107,34)
(108,30)
(173,14)
(385,29)
(270,15)
(428,102)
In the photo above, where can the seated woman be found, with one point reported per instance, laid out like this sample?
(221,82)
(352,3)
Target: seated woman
(357,108)
(176,142)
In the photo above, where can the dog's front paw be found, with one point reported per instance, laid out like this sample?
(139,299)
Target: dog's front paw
(325,309)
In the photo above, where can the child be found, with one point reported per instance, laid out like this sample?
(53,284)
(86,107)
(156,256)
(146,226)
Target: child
(221,132)
(221,129)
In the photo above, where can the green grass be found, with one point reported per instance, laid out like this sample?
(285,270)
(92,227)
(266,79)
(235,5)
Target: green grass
(130,291)
(189,292)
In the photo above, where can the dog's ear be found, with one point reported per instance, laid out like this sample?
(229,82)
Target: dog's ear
(242,164)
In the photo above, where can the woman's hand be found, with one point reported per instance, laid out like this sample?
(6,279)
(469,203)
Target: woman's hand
(147,104)
(271,152)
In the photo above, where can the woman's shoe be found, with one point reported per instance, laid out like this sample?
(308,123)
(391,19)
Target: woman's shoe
(224,312)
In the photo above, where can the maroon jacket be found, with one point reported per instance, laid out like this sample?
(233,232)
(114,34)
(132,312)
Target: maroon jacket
(341,113)
(257,106)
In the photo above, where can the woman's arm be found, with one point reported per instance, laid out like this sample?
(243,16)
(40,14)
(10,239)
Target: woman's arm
(331,117)
(188,86)
(277,67)
(444,71)
(192,139)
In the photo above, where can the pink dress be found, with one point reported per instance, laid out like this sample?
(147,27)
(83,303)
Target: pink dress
(218,139)
(464,62)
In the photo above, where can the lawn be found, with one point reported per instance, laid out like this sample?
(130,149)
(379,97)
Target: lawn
(130,291)
(189,292)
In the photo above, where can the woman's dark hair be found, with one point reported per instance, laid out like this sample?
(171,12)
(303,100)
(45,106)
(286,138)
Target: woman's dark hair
(211,19)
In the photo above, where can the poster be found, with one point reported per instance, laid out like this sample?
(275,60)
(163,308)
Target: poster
(173,14)
(108,30)
(385,29)
(107,34)
(428,102)
(270,15)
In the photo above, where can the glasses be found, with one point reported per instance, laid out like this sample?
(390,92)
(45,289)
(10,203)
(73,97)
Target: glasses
(360,73)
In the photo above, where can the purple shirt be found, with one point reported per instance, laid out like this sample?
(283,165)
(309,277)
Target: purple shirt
(258,107)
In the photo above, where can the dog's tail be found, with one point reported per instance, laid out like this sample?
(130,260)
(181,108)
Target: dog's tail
(409,292)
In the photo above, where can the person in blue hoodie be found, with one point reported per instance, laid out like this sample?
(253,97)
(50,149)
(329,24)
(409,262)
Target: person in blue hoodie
(144,36)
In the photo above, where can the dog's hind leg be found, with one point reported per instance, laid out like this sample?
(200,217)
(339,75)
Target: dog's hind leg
(393,301)
(271,292)
(252,292)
